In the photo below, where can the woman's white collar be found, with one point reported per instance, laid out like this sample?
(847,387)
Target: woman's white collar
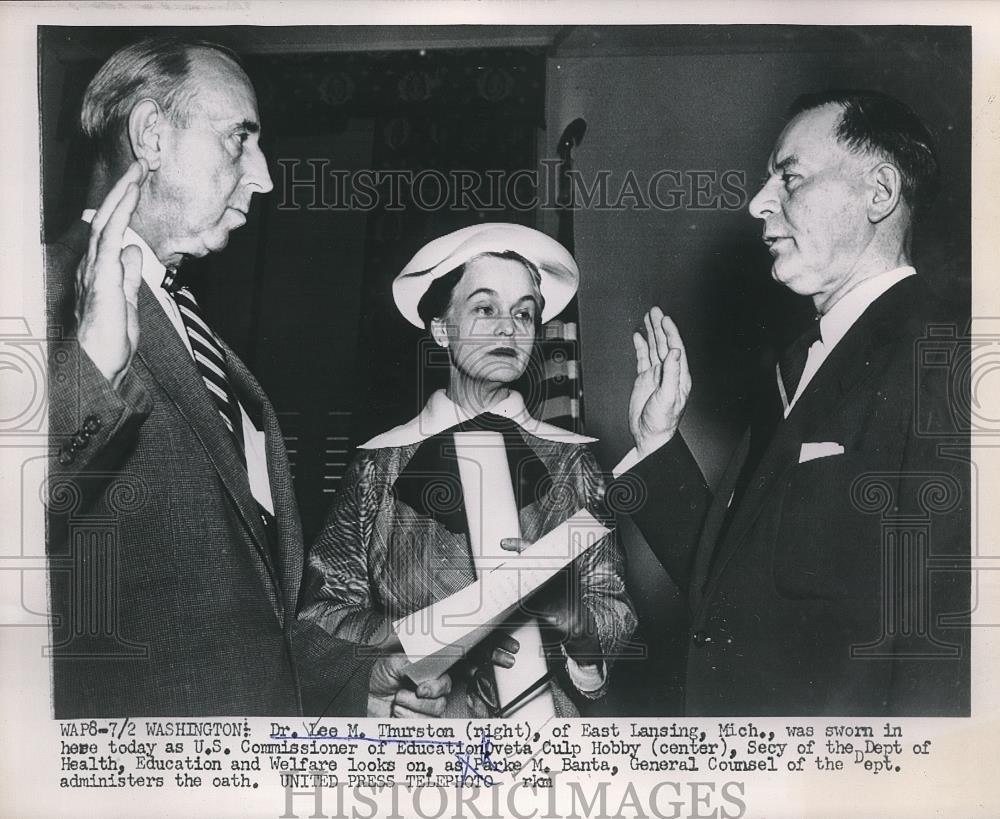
(441,413)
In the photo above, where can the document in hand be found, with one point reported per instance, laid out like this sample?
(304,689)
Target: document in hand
(436,637)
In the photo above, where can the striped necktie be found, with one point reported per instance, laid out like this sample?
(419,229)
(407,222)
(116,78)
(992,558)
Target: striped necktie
(210,359)
(211,362)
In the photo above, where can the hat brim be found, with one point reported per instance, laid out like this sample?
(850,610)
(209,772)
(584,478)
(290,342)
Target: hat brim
(559,273)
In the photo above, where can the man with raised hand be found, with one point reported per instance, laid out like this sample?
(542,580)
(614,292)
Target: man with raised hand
(828,572)
(175,543)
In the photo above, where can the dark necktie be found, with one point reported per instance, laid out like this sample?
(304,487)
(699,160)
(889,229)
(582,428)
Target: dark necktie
(209,357)
(793,360)
(769,409)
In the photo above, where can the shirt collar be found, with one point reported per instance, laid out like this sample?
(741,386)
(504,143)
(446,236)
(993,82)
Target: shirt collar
(441,413)
(152,268)
(835,323)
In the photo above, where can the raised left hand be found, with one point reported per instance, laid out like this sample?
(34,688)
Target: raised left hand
(662,383)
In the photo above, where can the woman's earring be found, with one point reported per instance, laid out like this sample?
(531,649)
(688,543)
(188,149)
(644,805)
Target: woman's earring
(439,332)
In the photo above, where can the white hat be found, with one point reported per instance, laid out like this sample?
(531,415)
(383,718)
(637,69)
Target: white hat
(557,267)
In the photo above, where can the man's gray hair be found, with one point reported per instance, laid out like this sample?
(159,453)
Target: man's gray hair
(157,68)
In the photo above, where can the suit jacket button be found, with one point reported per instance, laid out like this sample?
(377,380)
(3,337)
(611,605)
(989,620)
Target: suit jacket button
(701,638)
(92,424)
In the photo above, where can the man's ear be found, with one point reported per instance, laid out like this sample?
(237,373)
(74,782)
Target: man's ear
(439,332)
(145,132)
(886,186)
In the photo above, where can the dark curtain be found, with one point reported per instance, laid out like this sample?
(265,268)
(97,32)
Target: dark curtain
(455,113)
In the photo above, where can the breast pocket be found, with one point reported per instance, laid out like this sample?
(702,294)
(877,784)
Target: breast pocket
(827,544)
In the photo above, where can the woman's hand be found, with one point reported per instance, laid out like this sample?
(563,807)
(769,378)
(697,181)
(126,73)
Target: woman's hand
(572,622)
(558,606)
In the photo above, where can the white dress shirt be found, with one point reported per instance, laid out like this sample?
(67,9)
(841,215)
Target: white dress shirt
(253,439)
(440,413)
(834,324)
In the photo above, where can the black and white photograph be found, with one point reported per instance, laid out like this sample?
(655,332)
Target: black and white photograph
(503,405)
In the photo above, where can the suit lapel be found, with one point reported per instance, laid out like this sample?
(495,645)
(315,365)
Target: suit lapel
(845,369)
(708,542)
(169,363)
(288,535)
(860,353)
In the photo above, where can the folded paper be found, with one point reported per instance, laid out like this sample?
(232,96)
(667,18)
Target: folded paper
(436,637)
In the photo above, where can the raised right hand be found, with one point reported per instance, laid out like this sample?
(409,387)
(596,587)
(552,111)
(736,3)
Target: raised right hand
(662,383)
(107,281)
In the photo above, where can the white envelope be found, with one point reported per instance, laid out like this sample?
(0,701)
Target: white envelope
(822,449)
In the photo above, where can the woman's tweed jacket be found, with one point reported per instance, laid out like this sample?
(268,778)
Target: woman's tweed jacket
(378,559)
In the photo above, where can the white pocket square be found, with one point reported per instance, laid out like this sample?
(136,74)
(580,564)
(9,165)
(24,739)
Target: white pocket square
(823,449)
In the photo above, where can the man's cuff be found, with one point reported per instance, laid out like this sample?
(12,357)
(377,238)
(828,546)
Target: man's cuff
(633,458)
(378,707)
(625,464)
(588,679)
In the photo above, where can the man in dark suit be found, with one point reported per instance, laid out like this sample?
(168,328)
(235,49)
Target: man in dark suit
(175,544)
(828,572)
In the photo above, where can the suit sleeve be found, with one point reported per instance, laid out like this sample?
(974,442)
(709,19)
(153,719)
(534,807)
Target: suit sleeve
(92,425)
(666,496)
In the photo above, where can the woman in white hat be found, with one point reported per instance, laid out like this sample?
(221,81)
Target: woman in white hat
(398,536)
